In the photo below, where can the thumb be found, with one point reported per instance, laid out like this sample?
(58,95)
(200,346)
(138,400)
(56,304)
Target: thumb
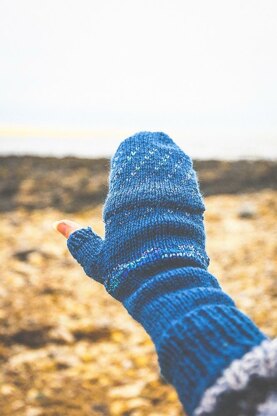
(84,245)
(66,227)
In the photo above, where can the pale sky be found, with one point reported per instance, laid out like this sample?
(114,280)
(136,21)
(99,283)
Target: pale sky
(202,71)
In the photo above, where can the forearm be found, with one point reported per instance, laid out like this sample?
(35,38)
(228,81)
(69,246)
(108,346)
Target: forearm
(196,328)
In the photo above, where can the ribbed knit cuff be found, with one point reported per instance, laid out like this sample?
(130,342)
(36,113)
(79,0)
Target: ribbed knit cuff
(199,346)
(195,326)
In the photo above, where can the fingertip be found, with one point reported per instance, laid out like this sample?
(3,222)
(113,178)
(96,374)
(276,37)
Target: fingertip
(66,227)
(55,225)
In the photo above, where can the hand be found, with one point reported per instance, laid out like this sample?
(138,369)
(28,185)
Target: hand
(153,212)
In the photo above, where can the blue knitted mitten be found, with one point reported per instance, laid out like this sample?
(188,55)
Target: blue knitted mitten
(153,260)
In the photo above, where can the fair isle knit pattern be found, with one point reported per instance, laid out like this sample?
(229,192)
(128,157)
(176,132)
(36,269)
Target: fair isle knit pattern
(230,391)
(153,260)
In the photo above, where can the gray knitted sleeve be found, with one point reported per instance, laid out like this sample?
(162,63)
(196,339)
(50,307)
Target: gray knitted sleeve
(269,407)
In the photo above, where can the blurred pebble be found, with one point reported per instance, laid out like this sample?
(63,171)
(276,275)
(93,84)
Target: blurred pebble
(247,211)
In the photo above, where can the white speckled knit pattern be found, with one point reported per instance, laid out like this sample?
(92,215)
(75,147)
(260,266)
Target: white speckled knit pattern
(261,361)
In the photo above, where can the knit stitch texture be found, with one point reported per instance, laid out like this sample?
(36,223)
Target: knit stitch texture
(153,260)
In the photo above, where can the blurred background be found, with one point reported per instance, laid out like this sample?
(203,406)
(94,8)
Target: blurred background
(97,71)
(75,79)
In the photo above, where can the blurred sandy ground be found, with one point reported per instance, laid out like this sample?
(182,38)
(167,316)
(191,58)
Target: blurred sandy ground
(67,348)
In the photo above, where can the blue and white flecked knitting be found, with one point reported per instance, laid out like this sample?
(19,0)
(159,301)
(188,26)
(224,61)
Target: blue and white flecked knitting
(153,260)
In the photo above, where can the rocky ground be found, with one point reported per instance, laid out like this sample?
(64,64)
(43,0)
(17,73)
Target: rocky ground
(31,182)
(66,347)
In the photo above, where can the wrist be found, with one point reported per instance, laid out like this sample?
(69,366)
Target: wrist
(195,326)
(196,349)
